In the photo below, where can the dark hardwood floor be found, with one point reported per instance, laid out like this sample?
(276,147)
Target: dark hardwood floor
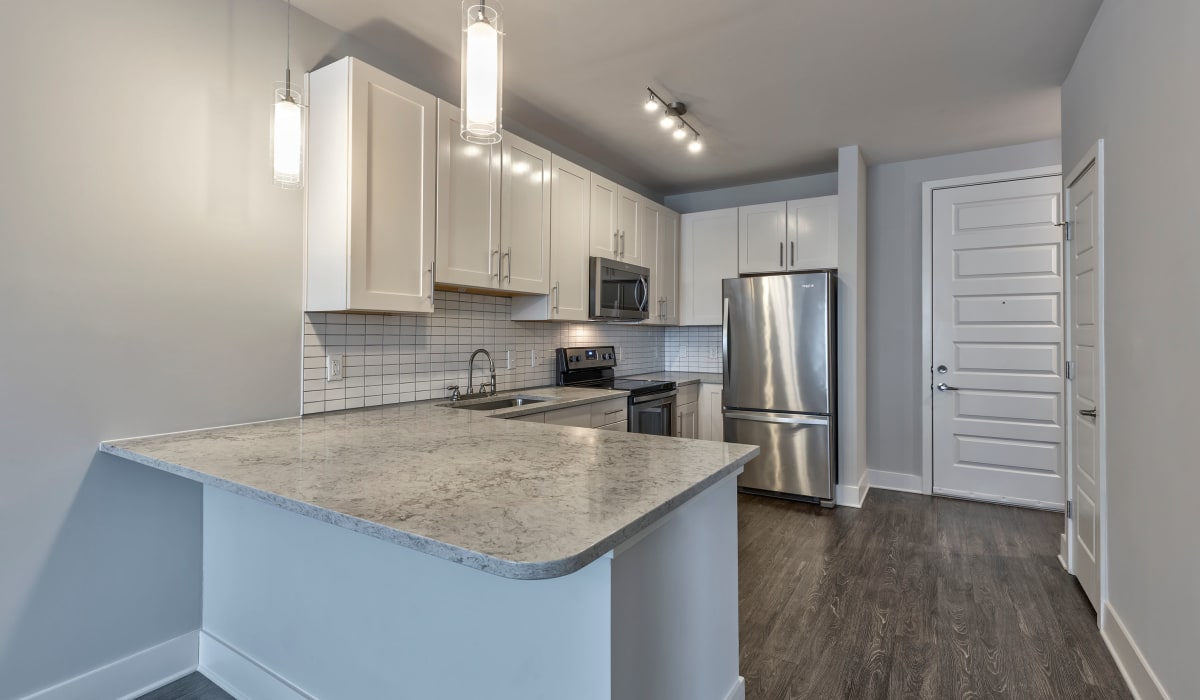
(913,597)
(191,687)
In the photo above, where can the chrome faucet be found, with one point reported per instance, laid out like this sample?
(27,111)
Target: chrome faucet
(471,372)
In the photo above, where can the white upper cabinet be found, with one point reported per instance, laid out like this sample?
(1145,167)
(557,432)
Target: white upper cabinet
(762,238)
(493,224)
(525,217)
(812,226)
(666,275)
(629,221)
(571,196)
(371,192)
(605,229)
(468,206)
(658,231)
(709,254)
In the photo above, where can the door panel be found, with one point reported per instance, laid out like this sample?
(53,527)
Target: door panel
(796,456)
(1084,314)
(468,206)
(569,242)
(525,216)
(393,200)
(762,235)
(629,223)
(605,233)
(998,332)
(812,230)
(709,254)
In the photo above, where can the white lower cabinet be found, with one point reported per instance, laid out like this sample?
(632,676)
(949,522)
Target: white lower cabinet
(610,414)
(711,414)
(371,194)
(686,422)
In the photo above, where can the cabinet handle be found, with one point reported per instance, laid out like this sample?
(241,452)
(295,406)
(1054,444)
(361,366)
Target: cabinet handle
(508,255)
(616,243)
(793,245)
(492,257)
(554,289)
(781,253)
(622,244)
(430,271)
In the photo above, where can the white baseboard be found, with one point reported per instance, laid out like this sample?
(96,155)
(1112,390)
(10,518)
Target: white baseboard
(132,676)
(738,691)
(241,675)
(1137,672)
(853,496)
(894,481)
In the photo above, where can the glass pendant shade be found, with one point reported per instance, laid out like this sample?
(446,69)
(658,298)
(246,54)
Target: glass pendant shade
(482,73)
(287,139)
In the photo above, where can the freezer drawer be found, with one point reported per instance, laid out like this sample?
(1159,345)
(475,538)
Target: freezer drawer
(798,452)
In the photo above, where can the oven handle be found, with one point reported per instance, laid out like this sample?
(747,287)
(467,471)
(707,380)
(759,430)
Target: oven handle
(661,396)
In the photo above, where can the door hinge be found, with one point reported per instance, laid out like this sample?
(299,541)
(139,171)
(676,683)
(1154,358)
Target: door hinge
(1070,510)
(1070,369)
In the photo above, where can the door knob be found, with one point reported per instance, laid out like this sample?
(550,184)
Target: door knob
(1087,412)
(946,387)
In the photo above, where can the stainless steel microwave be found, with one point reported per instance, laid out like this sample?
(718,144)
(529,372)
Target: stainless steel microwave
(618,291)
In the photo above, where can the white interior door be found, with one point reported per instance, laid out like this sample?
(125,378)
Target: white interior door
(998,343)
(1083,211)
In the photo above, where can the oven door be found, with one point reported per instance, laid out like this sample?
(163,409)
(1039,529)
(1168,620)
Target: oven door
(653,414)
(618,291)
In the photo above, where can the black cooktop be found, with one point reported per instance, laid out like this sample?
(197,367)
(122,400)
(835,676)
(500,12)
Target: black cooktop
(594,367)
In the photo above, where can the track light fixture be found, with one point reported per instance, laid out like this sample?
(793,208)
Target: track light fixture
(673,117)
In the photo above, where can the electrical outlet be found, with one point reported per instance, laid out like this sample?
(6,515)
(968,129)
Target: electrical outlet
(714,353)
(533,358)
(620,353)
(508,362)
(333,367)
(683,352)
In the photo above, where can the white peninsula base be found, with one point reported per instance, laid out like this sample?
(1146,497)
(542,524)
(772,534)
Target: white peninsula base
(297,608)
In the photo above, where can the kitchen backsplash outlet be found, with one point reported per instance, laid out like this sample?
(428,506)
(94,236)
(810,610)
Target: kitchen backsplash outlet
(693,349)
(394,359)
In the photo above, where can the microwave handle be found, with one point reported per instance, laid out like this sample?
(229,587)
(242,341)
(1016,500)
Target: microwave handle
(645,289)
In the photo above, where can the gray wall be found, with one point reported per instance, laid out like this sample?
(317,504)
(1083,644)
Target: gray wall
(761,193)
(894,372)
(149,282)
(1134,84)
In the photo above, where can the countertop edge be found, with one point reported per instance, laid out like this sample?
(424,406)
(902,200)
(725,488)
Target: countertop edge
(476,560)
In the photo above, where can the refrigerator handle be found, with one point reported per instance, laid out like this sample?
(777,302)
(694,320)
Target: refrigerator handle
(786,419)
(725,339)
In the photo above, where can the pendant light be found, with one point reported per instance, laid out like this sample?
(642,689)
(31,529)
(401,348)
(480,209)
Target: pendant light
(482,72)
(287,125)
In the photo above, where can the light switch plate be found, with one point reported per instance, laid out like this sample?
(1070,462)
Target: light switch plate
(333,367)
(508,361)
(620,353)
(533,358)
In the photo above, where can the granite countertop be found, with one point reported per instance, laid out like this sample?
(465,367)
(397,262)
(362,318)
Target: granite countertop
(683,378)
(515,499)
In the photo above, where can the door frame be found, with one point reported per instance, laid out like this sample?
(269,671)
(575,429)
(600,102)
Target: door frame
(926,368)
(1093,158)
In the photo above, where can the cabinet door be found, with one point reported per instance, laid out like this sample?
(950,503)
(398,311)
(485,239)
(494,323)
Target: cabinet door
(685,421)
(762,235)
(812,233)
(715,396)
(525,217)
(393,176)
(468,206)
(648,217)
(629,222)
(605,231)
(569,230)
(709,244)
(666,270)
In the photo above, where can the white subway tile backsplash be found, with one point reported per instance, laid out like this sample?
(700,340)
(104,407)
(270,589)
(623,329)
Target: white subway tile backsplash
(390,359)
(693,349)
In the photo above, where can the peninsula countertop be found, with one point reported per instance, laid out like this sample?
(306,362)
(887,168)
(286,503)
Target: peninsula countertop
(514,499)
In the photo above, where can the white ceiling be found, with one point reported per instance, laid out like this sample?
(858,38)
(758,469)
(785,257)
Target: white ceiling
(774,86)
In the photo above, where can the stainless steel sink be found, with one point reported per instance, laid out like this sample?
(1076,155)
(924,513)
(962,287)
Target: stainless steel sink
(493,404)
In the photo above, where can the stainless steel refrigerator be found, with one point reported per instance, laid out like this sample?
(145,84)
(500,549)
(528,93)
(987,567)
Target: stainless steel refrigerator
(780,346)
